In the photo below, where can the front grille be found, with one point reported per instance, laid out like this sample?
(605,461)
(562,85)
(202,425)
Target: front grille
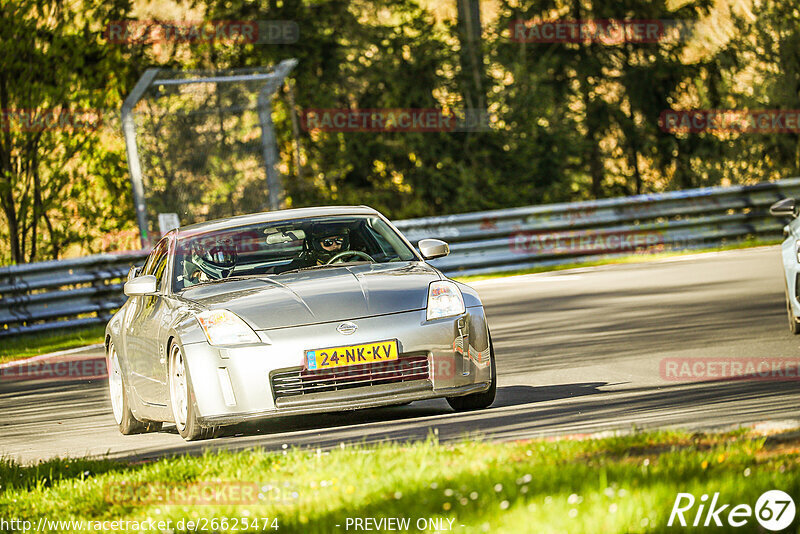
(302,381)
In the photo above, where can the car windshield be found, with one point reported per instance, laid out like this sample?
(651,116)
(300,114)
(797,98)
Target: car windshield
(275,248)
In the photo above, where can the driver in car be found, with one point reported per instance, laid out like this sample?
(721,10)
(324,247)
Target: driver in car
(208,262)
(322,244)
(330,243)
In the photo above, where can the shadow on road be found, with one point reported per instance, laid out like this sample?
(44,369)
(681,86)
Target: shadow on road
(520,412)
(506,396)
(44,419)
(516,395)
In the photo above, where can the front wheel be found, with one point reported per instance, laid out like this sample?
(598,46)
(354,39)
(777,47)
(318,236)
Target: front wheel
(477,401)
(181,397)
(120,406)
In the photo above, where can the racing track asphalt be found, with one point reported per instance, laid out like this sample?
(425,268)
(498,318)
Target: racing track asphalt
(577,352)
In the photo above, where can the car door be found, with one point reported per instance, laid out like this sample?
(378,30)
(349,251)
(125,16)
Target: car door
(146,359)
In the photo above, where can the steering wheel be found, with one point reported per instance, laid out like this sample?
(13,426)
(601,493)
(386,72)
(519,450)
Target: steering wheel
(209,274)
(358,253)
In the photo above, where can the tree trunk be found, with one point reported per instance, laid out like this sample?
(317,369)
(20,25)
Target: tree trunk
(634,162)
(13,227)
(37,204)
(295,131)
(595,163)
(469,32)
(6,188)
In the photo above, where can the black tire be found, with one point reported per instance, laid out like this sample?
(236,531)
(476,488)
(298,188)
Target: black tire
(794,325)
(187,423)
(477,401)
(126,422)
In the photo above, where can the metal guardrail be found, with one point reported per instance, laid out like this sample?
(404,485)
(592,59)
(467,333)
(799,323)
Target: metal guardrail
(84,291)
(35,297)
(521,238)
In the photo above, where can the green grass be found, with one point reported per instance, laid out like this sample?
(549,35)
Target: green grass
(617,484)
(633,258)
(28,345)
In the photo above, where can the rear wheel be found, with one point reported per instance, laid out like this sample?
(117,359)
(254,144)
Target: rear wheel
(477,401)
(182,399)
(120,406)
(794,325)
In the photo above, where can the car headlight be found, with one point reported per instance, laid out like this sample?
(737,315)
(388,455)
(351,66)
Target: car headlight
(444,300)
(223,327)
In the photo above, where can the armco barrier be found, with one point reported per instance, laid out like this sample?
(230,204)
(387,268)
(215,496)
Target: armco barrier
(63,294)
(519,238)
(47,295)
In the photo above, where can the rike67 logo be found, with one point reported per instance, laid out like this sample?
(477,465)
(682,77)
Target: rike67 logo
(774,510)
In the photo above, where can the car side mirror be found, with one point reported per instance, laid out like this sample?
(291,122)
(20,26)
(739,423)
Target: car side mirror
(787,206)
(433,248)
(133,272)
(141,285)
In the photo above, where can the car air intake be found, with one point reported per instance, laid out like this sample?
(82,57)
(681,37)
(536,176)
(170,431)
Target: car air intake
(302,381)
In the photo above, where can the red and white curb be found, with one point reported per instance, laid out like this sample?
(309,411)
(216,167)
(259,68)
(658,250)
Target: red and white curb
(66,365)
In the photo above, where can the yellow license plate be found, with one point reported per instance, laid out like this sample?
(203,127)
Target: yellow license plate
(380,351)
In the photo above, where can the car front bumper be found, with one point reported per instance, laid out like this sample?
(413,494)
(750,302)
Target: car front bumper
(235,384)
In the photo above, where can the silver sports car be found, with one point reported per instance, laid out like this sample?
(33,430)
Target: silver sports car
(292,312)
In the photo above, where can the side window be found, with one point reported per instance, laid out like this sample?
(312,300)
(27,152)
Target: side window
(386,248)
(157,261)
(161,268)
(389,241)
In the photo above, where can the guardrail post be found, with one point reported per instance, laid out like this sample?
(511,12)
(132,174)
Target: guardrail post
(132,151)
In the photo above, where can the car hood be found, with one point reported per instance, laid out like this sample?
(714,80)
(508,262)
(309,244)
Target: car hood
(317,296)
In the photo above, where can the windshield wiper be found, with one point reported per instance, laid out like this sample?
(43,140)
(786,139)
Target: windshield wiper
(323,266)
(312,268)
(230,278)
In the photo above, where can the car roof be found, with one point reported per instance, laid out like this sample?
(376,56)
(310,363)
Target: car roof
(272,216)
